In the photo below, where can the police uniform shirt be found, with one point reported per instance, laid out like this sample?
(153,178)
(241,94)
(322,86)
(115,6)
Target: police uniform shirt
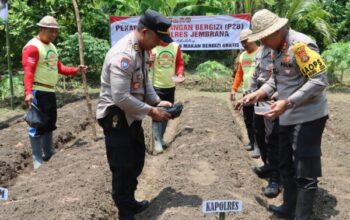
(264,68)
(299,74)
(124,81)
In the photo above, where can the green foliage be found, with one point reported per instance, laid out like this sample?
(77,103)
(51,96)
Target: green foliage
(5,90)
(340,19)
(212,69)
(337,57)
(308,17)
(186,58)
(94,53)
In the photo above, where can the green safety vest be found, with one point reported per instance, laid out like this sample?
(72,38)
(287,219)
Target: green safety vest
(164,66)
(247,61)
(46,70)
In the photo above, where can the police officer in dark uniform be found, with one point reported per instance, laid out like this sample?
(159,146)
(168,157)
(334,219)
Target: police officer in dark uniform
(269,130)
(127,97)
(300,79)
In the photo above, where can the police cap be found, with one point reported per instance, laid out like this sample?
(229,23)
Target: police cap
(157,23)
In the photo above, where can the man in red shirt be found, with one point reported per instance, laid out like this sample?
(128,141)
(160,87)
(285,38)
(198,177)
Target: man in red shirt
(41,66)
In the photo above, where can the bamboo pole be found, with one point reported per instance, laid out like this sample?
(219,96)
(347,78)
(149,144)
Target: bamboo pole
(9,61)
(81,55)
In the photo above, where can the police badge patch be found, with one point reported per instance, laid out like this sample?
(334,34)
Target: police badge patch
(301,53)
(124,63)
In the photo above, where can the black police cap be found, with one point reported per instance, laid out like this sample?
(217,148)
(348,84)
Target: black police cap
(157,23)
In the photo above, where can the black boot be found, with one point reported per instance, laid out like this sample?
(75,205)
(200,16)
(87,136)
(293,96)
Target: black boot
(287,209)
(129,217)
(304,204)
(263,171)
(138,207)
(272,189)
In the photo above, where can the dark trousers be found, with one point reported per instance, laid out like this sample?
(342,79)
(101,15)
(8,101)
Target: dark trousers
(46,102)
(272,143)
(125,148)
(260,135)
(300,149)
(248,116)
(166,94)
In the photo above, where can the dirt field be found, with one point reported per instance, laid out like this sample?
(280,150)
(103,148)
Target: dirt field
(205,161)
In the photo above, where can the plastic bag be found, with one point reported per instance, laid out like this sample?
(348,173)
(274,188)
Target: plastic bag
(35,118)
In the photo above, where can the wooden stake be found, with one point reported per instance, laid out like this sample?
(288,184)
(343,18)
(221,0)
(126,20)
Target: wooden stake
(81,55)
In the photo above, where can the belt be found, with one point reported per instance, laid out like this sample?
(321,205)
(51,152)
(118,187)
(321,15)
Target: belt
(43,85)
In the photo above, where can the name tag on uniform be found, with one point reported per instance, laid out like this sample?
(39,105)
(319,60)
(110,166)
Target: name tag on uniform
(136,85)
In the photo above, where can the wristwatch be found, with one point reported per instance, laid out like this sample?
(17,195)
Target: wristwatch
(289,104)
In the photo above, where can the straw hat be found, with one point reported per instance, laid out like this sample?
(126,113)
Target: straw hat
(244,34)
(265,23)
(48,22)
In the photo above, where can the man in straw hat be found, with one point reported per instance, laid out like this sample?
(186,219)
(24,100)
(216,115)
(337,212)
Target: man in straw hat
(126,98)
(41,67)
(300,79)
(243,75)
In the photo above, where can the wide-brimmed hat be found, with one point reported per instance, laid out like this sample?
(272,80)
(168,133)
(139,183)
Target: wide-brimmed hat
(265,23)
(48,22)
(157,23)
(244,34)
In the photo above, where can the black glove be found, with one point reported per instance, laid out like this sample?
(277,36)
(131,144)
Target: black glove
(175,110)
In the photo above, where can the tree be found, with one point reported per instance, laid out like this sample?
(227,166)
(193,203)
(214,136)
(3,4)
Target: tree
(308,17)
(340,17)
(337,57)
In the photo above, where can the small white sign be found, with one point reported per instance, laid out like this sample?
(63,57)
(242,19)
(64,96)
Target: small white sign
(4,194)
(214,206)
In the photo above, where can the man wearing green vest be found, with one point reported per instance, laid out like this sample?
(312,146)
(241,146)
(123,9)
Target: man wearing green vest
(167,71)
(41,66)
(244,73)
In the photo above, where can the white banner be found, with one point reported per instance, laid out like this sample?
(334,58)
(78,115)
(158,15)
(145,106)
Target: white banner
(220,32)
(3,10)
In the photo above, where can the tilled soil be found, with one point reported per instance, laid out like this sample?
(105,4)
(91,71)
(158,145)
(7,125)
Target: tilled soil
(205,160)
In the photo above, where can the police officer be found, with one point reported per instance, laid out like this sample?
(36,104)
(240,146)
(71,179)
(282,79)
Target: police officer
(126,97)
(244,73)
(269,131)
(300,79)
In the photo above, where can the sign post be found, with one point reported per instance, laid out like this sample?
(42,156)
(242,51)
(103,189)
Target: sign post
(221,207)
(4,193)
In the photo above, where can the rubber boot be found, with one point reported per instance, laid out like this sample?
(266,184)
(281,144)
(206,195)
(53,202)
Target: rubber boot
(256,151)
(48,146)
(157,134)
(36,143)
(164,125)
(287,209)
(248,147)
(305,203)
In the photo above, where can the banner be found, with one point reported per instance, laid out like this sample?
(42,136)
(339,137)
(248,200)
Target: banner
(3,10)
(219,32)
